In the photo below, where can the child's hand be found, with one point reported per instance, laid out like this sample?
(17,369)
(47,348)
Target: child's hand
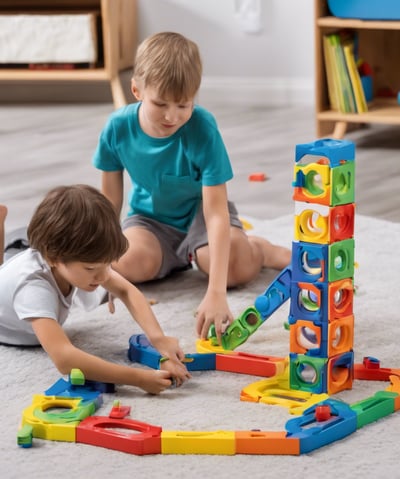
(213,309)
(153,381)
(170,349)
(176,370)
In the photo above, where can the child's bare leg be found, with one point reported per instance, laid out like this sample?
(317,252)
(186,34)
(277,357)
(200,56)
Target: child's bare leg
(275,256)
(248,255)
(3,214)
(143,259)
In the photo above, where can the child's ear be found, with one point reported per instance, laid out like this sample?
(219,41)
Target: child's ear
(135,90)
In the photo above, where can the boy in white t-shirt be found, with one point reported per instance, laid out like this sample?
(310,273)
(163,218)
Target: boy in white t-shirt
(74,236)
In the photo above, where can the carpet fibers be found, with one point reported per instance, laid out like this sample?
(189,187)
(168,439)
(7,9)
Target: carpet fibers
(210,401)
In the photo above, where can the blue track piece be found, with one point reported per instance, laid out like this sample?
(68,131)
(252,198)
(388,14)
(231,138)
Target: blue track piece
(87,392)
(275,295)
(253,317)
(141,351)
(314,434)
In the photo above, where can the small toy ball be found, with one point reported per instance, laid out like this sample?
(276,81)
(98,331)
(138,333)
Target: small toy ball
(257,177)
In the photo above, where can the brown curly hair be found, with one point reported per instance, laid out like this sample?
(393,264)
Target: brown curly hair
(77,223)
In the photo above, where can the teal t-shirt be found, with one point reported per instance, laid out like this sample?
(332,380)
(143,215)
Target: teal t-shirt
(167,174)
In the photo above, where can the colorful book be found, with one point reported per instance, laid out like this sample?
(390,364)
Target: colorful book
(331,75)
(345,82)
(342,95)
(359,95)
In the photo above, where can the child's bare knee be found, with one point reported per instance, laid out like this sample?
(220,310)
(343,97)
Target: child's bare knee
(138,266)
(242,270)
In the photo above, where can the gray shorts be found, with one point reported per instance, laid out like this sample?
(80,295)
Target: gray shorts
(179,249)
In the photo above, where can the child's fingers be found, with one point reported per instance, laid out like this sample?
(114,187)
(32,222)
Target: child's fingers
(176,372)
(165,379)
(176,369)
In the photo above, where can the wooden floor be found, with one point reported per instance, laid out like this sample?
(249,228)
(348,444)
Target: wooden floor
(42,146)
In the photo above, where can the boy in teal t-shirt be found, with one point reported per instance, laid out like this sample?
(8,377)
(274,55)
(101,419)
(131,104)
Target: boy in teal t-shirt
(178,166)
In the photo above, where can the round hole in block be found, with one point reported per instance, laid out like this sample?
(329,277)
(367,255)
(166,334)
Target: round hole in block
(312,222)
(314,183)
(309,223)
(307,338)
(251,319)
(341,222)
(338,297)
(308,300)
(337,337)
(341,298)
(341,185)
(339,375)
(310,263)
(340,261)
(306,373)
(57,410)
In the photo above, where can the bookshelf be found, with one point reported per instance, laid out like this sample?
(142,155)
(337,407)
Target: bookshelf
(379,44)
(116,37)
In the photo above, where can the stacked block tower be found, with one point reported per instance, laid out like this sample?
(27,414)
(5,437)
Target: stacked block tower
(321,315)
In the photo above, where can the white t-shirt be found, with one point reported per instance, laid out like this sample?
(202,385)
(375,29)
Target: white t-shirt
(28,290)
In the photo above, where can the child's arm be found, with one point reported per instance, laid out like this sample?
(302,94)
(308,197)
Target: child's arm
(112,187)
(214,307)
(141,311)
(66,356)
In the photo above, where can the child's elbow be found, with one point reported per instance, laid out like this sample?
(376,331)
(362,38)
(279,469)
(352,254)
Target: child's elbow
(64,362)
(63,368)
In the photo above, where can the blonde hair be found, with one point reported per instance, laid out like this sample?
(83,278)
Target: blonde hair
(171,63)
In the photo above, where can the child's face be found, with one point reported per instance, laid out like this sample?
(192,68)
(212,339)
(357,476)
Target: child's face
(161,117)
(86,276)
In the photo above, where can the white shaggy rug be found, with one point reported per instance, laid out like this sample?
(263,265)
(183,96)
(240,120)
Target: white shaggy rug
(210,401)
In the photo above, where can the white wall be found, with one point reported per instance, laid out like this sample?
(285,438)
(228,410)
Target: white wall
(272,67)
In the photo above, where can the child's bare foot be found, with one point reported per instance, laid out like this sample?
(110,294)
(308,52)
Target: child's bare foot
(275,257)
(3,214)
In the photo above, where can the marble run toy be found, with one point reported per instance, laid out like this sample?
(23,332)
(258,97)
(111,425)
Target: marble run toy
(370,369)
(140,438)
(25,436)
(319,281)
(141,351)
(319,286)
(60,425)
(198,442)
(314,433)
(119,411)
(253,317)
(321,420)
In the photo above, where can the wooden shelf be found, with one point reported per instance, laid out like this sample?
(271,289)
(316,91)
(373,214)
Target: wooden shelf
(334,22)
(379,111)
(117,42)
(379,43)
(81,74)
